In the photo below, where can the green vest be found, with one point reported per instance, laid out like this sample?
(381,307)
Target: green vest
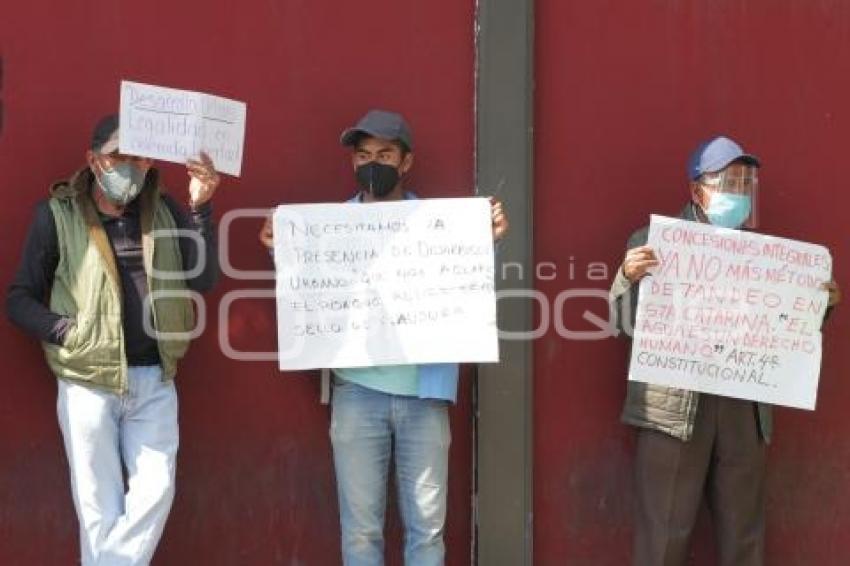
(87,287)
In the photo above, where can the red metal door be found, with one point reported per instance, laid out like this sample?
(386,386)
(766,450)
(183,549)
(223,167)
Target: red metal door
(624,91)
(255,483)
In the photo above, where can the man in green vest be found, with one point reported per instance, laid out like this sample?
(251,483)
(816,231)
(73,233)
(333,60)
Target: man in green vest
(109,250)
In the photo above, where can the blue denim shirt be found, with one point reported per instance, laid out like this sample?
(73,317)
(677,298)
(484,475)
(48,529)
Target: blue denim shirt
(435,381)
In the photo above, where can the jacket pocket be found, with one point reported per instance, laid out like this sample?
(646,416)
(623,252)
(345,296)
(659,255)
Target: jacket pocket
(71,335)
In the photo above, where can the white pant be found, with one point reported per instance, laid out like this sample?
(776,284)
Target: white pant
(102,431)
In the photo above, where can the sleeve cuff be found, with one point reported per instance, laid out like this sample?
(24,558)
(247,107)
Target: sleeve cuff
(60,330)
(202,212)
(620,285)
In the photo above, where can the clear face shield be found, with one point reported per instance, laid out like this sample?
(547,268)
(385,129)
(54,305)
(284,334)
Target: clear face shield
(732,196)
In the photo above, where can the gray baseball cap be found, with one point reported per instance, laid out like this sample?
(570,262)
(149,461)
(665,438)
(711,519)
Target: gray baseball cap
(379,124)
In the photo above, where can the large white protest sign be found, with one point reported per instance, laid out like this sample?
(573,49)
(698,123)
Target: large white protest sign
(404,282)
(176,125)
(731,313)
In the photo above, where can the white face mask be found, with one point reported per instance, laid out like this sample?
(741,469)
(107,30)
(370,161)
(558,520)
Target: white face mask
(121,183)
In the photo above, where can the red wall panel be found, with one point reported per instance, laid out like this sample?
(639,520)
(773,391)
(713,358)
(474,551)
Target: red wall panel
(625,90)
(255,483)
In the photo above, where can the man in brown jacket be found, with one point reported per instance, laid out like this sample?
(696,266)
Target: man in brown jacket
(692,443)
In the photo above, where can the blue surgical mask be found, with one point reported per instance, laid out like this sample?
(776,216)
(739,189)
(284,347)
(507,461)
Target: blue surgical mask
(121,183)
(728,210)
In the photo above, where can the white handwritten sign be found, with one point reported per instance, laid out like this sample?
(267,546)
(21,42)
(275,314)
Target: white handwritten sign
(176,125)
(732,313)
(404,282)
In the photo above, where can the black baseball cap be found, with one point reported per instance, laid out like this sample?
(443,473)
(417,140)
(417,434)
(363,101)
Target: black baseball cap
(379,124)
(104,138)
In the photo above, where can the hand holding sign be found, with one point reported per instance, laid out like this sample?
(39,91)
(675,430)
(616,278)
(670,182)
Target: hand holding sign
(266,234)
(499,219)
(638,262)
(204,181)
(834,293)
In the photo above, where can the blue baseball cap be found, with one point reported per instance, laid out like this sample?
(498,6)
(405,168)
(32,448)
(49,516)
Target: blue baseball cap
(715,154)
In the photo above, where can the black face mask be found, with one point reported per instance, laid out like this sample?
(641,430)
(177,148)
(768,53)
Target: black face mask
(377,178)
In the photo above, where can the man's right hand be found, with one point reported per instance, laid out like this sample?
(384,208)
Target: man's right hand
(266,234)
(638,261)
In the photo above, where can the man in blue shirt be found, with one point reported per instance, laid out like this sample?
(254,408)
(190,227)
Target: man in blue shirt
(391,410)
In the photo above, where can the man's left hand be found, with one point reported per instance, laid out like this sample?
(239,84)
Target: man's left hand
(834,293)
(205,180)
(499,219)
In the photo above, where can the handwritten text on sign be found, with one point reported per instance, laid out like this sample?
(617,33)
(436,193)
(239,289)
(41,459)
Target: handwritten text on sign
(405,282)
(176,125)
(731,313)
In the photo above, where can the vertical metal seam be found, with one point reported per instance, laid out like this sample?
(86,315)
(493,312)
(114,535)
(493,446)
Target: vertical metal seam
(498,104)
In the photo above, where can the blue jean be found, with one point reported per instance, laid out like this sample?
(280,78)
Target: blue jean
(367,427)
(104,432)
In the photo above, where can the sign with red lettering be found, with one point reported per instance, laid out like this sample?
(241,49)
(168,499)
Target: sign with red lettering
(731,313)
(385,283)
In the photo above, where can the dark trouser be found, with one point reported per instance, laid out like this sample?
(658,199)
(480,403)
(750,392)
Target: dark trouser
(725,460)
